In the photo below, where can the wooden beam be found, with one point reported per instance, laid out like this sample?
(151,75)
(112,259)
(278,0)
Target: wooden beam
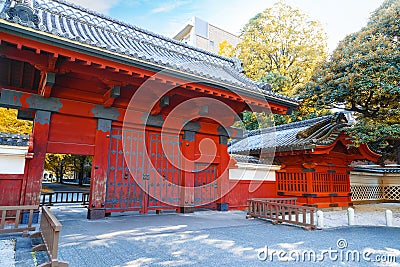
(52,62)
(162,103)
(100,72)
(47,81)
(23,55)
(110,96)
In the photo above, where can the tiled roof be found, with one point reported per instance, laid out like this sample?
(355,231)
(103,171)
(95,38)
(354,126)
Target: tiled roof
(64,20)
(378,169)
(8,139)
(246,158)
(300,135)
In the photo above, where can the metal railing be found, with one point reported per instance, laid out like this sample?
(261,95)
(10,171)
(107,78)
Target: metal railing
(13,214)
(282,210)
(48,199)
(50,229)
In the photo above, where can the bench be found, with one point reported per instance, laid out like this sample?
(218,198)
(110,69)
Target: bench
(49,232)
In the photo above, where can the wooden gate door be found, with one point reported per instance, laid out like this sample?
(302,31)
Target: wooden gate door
(205,185)
(140,174)
(165,171)
(123,184)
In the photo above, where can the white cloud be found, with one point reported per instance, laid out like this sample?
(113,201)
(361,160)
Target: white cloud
(101,6)
(166,7)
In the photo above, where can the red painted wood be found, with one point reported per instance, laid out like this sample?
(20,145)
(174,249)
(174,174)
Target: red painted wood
(82,82)
(98,62)
(124,176)
(99,171)
(11,177)
(188,152)
(223,174)
(73,130)
(9,191)
(70,148)
(10,186)
(321,177)
(164,169)
(36,165)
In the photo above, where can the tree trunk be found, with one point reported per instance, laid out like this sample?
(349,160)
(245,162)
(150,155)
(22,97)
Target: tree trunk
(81,169)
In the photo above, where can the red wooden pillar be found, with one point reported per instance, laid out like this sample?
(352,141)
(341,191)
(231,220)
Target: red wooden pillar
(223,174)
(309,176)
(40,135)
(99,171)
(187,193)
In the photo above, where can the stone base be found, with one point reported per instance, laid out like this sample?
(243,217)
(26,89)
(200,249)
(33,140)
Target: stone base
(95,214)
(222,206)
(186,209)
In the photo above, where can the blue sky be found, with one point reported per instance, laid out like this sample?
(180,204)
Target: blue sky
(167,17)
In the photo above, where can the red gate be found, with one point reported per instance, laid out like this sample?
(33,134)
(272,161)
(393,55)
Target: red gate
(165,171)
(140,174)
(205,185)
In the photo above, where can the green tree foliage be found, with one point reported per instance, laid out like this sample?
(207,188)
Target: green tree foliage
(281,46)
(10,124)
(363,75)
(62,165)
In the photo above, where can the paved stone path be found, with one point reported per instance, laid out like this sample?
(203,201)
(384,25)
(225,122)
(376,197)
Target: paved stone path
(211,238)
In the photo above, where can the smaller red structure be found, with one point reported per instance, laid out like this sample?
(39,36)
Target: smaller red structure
(314,155)
(13,154)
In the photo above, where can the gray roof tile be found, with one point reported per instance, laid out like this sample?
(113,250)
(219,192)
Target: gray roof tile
(301,135)
(8,139)
(246,158)
(63,19)
(378,169)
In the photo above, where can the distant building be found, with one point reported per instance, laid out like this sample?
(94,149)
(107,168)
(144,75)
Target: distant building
(201,34)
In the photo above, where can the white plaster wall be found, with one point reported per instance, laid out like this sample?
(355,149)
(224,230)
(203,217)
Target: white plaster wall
(253,172)
(364,178)
(391,179)
(12,159)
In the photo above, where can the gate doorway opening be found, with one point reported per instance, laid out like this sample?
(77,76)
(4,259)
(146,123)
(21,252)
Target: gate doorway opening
(66,179)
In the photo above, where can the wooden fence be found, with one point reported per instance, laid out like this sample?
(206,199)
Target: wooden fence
(282,210)
(13,215)
(50,229)
(48,199)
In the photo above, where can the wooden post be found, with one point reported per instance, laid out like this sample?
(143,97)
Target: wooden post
(96,209)
(309,176)
(188,151)
(223,174)
(40,137)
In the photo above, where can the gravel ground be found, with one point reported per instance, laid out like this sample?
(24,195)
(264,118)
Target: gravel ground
(211,238)
(7,253)
(367,214)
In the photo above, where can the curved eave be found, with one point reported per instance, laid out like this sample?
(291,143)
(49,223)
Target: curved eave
(49,39)
(364,153)
(368,153)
